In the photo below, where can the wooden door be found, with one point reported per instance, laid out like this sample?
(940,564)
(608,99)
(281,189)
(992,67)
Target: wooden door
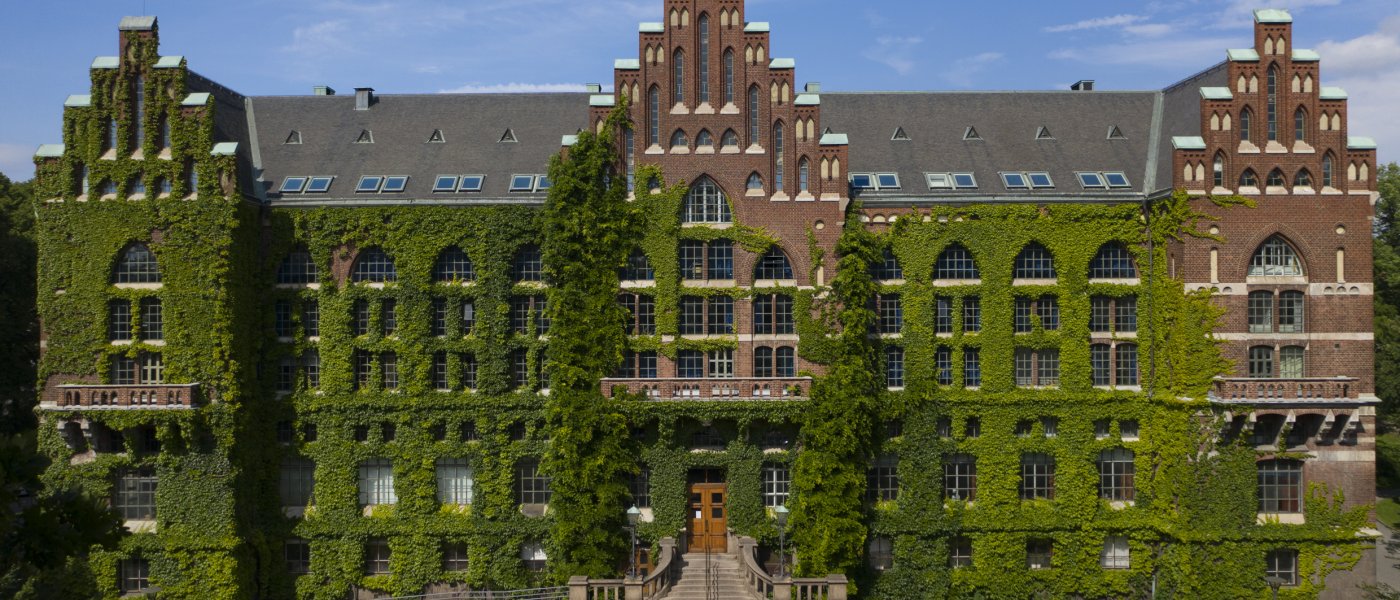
(709,518)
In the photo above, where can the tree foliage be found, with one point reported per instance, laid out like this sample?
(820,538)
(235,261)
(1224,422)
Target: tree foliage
(19,339)
(1387,298)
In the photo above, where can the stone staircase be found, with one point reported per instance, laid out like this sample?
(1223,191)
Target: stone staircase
(729,579)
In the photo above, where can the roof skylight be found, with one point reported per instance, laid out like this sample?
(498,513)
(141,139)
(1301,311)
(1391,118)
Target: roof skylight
(508,136)
(436,137)
(293,138)
(875,181)
(319,185)
(899,135)
(1114,133)
(522,183)
(1112,179)
(293,185)
(939,181)
(369,184)
(964,181)
(471,183)
(1015,181)
(445,183)
(395,183)
(971,134)
(1044,134)
(365,137)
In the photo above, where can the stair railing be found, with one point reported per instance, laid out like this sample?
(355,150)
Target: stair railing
(759,581)
(653,586)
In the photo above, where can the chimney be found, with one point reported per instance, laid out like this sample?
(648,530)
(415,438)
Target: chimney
(595,88)
(1083,85)
(323,90)
(364,98)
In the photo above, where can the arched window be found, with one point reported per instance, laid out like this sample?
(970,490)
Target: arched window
(111,135)
(1113,261)
(1327,170)
(374,266)
(1276,179)
(1273,103)
(778,157)
(1280,486)
(755,182)
(298,268)
(729,76)
(785,362)
(136,265)
(704,139)
(753,115)
(1219,169)
(705,203)
(678,77)
(1275,258)
(955,263)
(1249,179)
(1300,125)
(1246,118)
(453,265)
(888,269)
(678,139)
(773,265)
(1035,262)
(528,264)
(654,116)
(1116,474)
(730,139)
(1303,179)
(704,65)
(803,175)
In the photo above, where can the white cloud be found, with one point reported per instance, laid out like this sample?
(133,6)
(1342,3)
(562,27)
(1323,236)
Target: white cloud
(1368,68)
(962,72)
(319,39)
(1164,53)
(894,52)
(1152,30)
(1240,13)
(17,161)
(515,88)
(1098,23)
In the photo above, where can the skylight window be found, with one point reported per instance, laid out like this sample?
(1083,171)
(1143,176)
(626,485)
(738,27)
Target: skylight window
(508,136)
(1116,180)
(899,135)
(1041,180)
(471,183)
(395,183)
(1044,134)
(964,181)
(522,183)
(1015,181)
(1092,180)
(319,185)
(875,181)
(971,134)
(887,181)
(436,137)
(445,183)
(862,181)
(369,184)
(365,137)
(1114,133)
(543,183)
(293,185)
(939,181)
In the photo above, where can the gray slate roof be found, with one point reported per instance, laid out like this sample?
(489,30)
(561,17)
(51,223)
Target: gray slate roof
(1008,123)
(472,126)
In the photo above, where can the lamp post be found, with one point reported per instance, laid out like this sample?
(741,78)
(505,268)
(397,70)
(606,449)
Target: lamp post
(1275,582)
(633,516)
(782,513)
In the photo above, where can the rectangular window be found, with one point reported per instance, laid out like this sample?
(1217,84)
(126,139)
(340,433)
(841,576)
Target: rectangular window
(943,362)
(960,477)
(134,495)
(1023,315)
(894,366)
(964,181)
(777,478)
(468,370)
(880,552)
(522,183)
(772,314)
(882,480)
(377,557)
(1127,355)
(960,552)
(1115,553)
(311,317)
(377,482)
(692,258)
(438,326)
(389,370)
(119,320)
(692,315)
(1283,565)
(455,480)
(1101,314)
(1125,314)
(1025,367)
(721,260)
(1048,309)
(972,367)
(468,316)
(1048,367)
(1290,312)
(690,364)
(281,319)
(364,369)
(152,319)
(972,314)
(389,316)
(939,181)
(1038,554)
(640,486)
(943,316)
(721,315)
(297,555)
(1100,357)
(123,371)
(135,575)
(311,368)
(286,374)
(360,318)
(471,183)
(152,368)
(1116,474)
(1037,476)
(454,557)
(891,313)
(297,482)
(531,487)
(439,372)
(1290,362)
(519,368)
(721,364)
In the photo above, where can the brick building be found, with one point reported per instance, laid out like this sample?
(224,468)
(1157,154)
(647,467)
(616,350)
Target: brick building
(299,341)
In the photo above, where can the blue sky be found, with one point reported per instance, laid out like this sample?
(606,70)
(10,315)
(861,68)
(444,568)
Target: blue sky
(262,47)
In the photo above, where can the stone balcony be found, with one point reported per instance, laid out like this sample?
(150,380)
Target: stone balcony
(1244,390)
(122,397)
(736,389)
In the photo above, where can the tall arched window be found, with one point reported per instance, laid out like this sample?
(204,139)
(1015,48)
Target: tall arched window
(1273,103)
(705,203)
(1112,262)
(139,137)
(654,116)
(773,264)
(803,175)
(1246,119)
(778,157)
(704,139)
(1249,179)
(729,76)
(1035,262)
(678,139)
(730,139)
(1219,169)
(136,265)
(955,263)
(1303,179)
(1327,170)
(453,265)
(298,268)
(755,182)
(753,114)
(678,77)
(1276,179)
(374,266)
(1275,258)
(704,65)
(1300,125)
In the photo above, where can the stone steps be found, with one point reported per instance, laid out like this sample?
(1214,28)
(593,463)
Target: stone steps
(729,579)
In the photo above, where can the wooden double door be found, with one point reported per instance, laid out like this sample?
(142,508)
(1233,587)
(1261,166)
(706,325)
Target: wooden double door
(708,526)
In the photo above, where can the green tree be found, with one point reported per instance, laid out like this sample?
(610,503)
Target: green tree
(19,339)
(590,228)
(1387,297)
